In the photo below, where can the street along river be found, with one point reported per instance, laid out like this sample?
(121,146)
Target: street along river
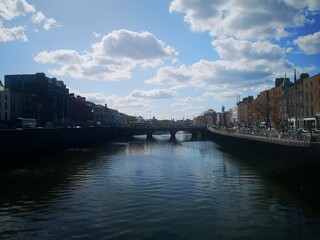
(158,189)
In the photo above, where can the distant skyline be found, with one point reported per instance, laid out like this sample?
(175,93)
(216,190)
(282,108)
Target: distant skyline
(164,59)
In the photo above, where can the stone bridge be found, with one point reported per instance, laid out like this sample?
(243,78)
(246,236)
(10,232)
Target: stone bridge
(197,132)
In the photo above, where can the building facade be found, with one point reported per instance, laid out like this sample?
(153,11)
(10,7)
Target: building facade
(5,105)
(286,106)
(39,97)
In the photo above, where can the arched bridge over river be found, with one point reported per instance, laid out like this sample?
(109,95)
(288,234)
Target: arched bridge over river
(197,132)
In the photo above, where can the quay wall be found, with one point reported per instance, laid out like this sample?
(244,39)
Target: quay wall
(289,151)
(19,142)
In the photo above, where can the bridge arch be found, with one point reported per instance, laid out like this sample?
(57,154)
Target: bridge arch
(196,132)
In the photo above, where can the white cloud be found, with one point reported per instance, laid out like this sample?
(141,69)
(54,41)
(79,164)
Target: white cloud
(113,58)
(153,94)
(239,50)
(245,19)
(97,35)
(219,74)
(12,34)
(312,5)
(310,44)
(125,45)
(10,9)
(38,17)
(243,32)
(63,57)
(243,64)
(48,23)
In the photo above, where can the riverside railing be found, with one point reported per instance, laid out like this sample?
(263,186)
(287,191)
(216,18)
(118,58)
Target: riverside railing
(298,140)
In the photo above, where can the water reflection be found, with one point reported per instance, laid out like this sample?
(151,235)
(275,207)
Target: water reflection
(295,184)
(166,136)
(157,190)
(183,136)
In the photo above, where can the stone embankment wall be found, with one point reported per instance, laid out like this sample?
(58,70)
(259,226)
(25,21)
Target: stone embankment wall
(23,141)
(287,150)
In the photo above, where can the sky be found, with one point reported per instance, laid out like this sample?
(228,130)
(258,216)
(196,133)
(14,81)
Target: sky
(169,59)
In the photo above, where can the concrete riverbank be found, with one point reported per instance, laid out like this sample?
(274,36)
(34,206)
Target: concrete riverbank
(21,142)
(292,151)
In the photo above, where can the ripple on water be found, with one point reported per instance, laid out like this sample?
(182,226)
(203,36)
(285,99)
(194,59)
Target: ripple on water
(150,190)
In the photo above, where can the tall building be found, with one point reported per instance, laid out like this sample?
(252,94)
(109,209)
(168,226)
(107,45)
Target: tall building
(40,97)
(245,111)
(311,99)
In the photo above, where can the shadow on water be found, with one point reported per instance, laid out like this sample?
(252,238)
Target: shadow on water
(294,179)
(37,177)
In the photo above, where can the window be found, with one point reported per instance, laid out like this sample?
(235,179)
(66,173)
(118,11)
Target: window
(306,97)
(306,85)
(5,97)
(311,96)
(6,116)
(5,106)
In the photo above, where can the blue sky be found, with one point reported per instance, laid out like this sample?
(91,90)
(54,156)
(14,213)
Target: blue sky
(169,58)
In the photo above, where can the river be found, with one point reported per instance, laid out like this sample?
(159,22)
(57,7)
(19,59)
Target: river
(158,189)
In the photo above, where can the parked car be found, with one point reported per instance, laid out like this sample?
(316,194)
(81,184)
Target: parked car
(302,130)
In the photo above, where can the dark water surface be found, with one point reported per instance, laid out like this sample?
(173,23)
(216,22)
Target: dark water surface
(158,190)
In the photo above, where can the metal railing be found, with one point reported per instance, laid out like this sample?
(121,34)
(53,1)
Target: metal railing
(298,140)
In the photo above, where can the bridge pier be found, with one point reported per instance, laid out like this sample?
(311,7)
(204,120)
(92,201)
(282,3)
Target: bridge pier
(173,136)
(194,136)
(197,135)
(149,135)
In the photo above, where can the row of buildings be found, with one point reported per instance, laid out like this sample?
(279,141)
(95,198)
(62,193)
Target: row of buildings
(36,96)
(288,105)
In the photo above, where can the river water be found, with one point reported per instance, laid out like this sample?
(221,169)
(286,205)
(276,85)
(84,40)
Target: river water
(158,189)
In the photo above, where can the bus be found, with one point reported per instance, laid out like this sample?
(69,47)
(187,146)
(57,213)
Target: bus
(311,123)
(136,122)
(25,123)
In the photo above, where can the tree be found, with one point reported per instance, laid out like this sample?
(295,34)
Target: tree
(263,109)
